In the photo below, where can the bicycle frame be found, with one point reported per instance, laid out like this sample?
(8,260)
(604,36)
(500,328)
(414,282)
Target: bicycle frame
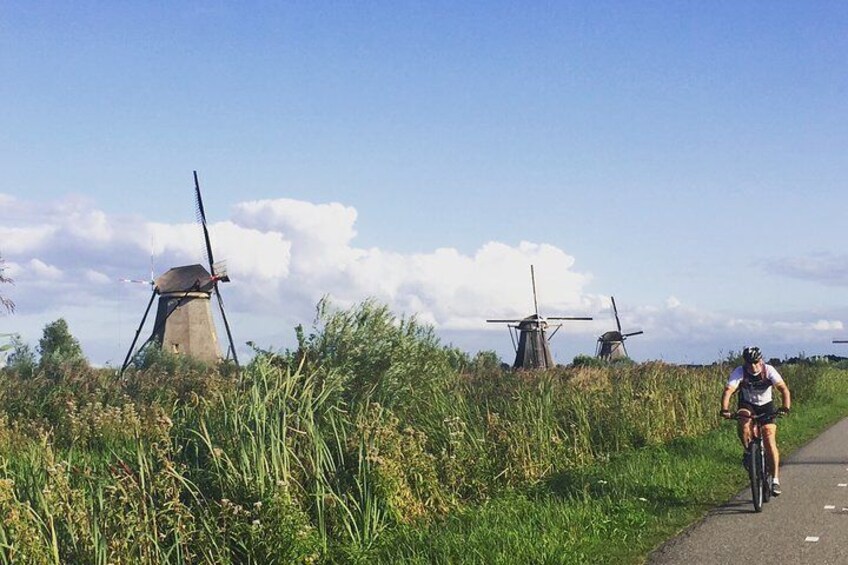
(758,469)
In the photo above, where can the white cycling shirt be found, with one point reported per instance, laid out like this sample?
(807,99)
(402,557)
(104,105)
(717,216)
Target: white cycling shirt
(754,390)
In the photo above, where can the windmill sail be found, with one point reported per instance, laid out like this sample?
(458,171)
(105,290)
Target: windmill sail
(217,274)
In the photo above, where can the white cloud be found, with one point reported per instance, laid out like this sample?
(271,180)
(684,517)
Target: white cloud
(825,326)
(319,234)
(826,268)
(283,255)
(96,277)
(24,240)
(39,269)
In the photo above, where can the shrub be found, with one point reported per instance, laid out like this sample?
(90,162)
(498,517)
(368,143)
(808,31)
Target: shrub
(60,351)
(21,358)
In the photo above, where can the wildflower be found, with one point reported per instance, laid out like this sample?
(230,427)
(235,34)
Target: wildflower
(256,523)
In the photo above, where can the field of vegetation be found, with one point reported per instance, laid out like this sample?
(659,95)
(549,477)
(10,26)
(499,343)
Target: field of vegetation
(372,442)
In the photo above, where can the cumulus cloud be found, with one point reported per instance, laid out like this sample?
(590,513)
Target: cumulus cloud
(283,255)
(443,287)
(41,270)
(826,268)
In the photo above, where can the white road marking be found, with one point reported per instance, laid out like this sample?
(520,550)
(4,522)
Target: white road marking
(842,485)
(812,538)
(830,507)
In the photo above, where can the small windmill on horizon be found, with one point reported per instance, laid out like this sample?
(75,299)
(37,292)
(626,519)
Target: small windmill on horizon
(184,322)
(529,335)
(611,343)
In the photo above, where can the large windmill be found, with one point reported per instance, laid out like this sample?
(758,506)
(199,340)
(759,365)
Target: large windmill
(611,344)
(532,350)
(184,322)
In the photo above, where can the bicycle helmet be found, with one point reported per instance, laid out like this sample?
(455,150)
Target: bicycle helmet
(752,355)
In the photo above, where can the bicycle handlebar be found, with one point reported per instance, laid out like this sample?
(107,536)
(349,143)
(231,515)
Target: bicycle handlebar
(775,414)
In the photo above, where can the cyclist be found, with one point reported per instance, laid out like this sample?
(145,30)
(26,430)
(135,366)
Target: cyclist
(755,380)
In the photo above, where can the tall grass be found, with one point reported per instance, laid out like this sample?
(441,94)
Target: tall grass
(313,455)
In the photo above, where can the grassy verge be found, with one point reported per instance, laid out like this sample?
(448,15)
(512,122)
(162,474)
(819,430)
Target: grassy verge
(611,513)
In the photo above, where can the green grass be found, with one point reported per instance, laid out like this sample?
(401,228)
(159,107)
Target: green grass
(611,513)
(372,442)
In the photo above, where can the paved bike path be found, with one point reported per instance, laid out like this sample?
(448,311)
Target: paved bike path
(807,524)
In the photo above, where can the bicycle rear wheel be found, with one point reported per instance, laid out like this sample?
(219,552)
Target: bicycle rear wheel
(755,473)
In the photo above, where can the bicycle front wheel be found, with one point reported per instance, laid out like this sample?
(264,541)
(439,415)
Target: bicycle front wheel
(755,473)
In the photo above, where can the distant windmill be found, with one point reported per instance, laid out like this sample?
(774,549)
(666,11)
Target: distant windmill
(533,348)
(611,344)
(184,316)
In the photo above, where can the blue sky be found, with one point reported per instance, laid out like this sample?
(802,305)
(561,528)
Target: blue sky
(686,158)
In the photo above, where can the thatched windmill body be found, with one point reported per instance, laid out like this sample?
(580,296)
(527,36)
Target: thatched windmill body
(530,337)
(184,323)
(611,343)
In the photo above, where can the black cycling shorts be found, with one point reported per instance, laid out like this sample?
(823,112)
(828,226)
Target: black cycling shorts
(767,408)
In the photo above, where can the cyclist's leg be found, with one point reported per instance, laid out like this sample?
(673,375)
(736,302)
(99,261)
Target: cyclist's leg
(772,453)
(769,438)
(745,426)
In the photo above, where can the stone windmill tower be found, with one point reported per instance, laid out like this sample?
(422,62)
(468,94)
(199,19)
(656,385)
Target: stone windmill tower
(530,337)
(611,344)
(184,323)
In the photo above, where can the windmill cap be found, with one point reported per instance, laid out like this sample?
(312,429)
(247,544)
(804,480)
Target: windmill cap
(182,279)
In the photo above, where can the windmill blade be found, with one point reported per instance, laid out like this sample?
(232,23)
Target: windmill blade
(632,333)
(503,321)
(615,312)
(227,326)
(151,282)
(217,270)
(569,318)
(533,281)
(201,218)
(840,341)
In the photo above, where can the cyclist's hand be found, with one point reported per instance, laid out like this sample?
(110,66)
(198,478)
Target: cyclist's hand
(726,414)
(783,410)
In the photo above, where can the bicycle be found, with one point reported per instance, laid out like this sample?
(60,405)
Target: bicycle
(758,473)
